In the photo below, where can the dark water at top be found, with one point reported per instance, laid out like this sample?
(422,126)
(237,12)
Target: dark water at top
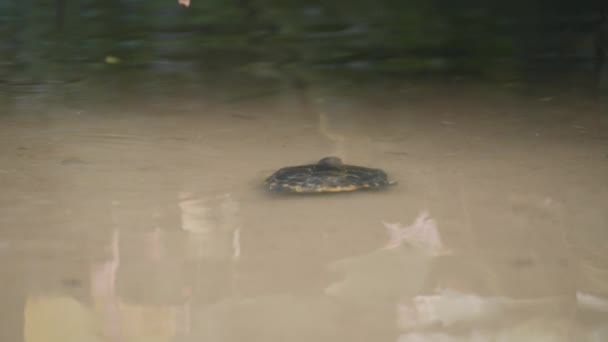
(136,43)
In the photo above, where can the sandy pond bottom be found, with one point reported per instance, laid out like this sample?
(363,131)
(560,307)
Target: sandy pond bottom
(147,220)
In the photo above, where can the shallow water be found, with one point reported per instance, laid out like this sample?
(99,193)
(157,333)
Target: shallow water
(143,217)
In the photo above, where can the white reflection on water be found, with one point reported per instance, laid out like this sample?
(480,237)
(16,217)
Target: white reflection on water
(423,234)
(213,225)
(124,319)
(387,274)
(449,307)
(591,302)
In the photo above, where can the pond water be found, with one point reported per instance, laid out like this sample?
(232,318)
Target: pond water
(131,214)
(135,138)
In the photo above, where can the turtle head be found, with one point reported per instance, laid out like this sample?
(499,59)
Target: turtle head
(331,161)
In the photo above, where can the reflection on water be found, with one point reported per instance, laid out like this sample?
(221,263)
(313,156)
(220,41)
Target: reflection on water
(150,223)
(423,234)
(135,140)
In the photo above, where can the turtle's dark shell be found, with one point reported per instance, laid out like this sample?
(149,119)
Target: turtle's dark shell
(328,175)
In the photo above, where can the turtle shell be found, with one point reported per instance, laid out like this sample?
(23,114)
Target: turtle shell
(328,175)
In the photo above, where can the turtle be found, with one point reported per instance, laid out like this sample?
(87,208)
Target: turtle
(327,175)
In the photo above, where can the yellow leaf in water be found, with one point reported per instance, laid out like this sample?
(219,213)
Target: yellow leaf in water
(112,59)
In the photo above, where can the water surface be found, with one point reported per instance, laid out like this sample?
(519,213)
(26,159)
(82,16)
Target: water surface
(134,214)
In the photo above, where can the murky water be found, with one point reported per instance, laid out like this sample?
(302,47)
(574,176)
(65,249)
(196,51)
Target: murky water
(146,220)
